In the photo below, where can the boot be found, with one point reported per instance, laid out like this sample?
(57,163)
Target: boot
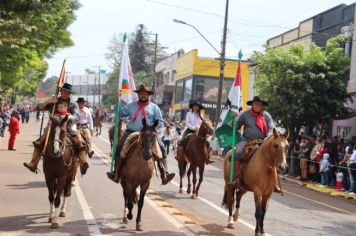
(165,176)
(90,153)
(83,168)
(209,161)
(36,156)
(116,174)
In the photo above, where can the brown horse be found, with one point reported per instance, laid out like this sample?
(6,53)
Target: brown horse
(259,177)
(196,153)
(59,166)
(97,123)
(138,171)
(120,132)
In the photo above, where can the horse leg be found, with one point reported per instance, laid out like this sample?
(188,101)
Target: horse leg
(264,205)
(189,189)
(50,187)
(182,165)
(194,196)
(140,205)
(201,173)
(124,218)
(63,207)
(57,202)
(239,195)
(258,213)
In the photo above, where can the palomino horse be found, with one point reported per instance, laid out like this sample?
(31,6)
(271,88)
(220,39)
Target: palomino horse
(138,171)
(196,153)
(97,123)
(60,167)
(259,177)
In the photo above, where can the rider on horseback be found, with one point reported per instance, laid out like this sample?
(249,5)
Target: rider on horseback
(85,123)
(66,91)
(136,111)
(258,124)
(193,121)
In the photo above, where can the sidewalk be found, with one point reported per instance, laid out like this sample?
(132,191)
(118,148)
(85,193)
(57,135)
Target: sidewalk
(327,190)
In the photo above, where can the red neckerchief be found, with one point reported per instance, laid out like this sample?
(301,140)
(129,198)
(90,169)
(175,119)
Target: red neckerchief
(141,106)
(260,120)
(63,113)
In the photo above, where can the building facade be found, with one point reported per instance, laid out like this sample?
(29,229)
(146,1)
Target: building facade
(318,29)
(197,78)
(89,86)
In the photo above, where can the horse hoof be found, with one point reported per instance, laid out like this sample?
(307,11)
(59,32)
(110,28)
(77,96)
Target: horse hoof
(193,196)
(231,226)
(236,217)
(180,190)
(124,220)
(129,216)
(189,191)
(139,228)
(49,220)
(54,226)
(62,214)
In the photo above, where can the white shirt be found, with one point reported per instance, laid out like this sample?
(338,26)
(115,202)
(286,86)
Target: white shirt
(353,157)
(192,120)
(85,117)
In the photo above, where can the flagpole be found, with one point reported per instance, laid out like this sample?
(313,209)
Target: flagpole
(54,106)
(232,163)
(113,150)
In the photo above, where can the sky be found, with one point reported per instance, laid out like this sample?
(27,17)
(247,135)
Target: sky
(250,24)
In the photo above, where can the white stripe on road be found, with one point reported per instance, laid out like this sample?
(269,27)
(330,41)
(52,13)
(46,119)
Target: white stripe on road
(88,215)
(154,205)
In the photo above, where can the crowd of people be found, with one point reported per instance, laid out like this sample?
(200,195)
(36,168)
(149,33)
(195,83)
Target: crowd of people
(326,161)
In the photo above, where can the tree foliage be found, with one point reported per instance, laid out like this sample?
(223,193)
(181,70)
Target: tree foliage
(141,52)
(304,87)
(30,31)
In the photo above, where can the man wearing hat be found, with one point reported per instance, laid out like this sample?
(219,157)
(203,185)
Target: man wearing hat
(14,129)
(258,124)
(66,91)
(135,112)
(86,123)
(193,121)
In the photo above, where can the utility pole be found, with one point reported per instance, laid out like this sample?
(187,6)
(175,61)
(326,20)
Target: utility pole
(222,65)
(99,86)
(154,64)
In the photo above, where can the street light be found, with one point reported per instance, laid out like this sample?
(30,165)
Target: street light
(99,72)
(222,58)
(154,62)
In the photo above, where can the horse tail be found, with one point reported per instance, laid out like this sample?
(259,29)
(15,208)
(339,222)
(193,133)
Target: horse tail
(134,196)
(224,201)
(228,199)
(182,168)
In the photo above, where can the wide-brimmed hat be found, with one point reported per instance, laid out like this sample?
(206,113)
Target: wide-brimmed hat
(195,102)
(67,87)
(80,99)
(144,88)
(257,99)
(15,112)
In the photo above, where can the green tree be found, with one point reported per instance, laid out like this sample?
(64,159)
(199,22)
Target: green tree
(31,30)
(304,87)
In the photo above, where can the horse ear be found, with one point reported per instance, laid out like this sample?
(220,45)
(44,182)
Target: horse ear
(155,124)
(144,121)
(286,133)
(275,133)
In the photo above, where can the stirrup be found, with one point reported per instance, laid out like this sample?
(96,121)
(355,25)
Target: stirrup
(168,178)
(31,168)
(112,176)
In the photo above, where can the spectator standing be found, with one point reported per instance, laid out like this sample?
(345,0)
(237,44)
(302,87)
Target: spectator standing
(27,114)
(166,138)
(313,160)
(295,158)
(353,170)
(14,129)
(324,170)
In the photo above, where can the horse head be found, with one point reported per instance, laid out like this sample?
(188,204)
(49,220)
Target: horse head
(148,136)
(206,128)
(280,147)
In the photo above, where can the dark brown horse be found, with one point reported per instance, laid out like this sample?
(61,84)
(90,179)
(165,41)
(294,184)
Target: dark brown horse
(196,153)
(59,165)
(138,171)
(97,123)
(259,177)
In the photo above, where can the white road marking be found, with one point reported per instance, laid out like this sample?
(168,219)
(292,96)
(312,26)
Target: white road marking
(161,211)
(88,215)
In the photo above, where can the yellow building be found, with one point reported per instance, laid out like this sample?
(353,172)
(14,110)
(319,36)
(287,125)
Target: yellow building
(197,78)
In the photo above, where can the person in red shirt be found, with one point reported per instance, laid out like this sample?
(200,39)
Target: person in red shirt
(14,129)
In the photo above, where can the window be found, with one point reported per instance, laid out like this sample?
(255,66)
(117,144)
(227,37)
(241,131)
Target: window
(343,132)
(179,91)
(188,89)
(207,89)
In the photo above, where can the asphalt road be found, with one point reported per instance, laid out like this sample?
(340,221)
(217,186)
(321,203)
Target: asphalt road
(96,204)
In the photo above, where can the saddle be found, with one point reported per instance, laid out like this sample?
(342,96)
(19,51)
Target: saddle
(131,143)
(182,145)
